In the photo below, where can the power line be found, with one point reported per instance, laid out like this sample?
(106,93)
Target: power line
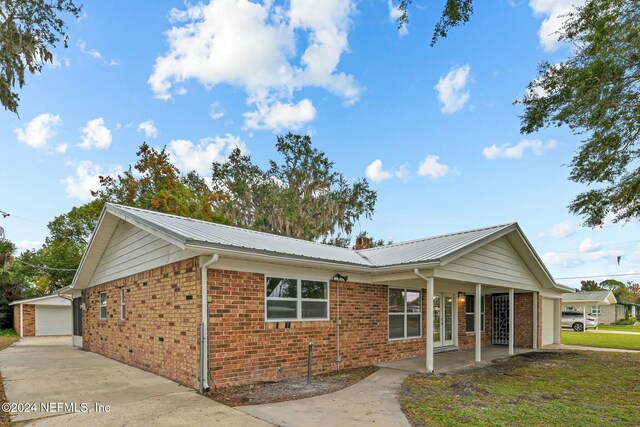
(44,267)
(601,275)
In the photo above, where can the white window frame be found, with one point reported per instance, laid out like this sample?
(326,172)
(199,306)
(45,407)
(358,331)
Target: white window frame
(404,314)
(596,310)
(483,302)
(103,305)
(122,305)
(298,299)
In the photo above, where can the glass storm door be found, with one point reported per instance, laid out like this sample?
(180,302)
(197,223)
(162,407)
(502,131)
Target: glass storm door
(442,320)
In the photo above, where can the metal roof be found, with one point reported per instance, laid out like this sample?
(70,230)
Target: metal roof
(589,296)
(191,232)
(429,248)
(53,299)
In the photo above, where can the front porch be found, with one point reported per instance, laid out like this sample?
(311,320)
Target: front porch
(452,360)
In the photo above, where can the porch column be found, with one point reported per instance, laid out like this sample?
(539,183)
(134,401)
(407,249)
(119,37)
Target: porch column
(512,309)
(535,320)
(598,315)
(557,325)
(429,349)
(584,318)
(478,321)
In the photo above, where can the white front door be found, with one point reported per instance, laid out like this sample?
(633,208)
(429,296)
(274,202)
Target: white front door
(442,319)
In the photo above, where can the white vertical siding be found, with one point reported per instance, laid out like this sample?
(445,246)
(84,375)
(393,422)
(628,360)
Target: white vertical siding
(132,250)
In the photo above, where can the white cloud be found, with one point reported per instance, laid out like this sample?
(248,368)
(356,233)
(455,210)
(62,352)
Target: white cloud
(561,230)
(376,173)
(588,245)
(394,14)
(82,45)
(95,135)
(62,148)
(432,167)
(148,128)
(217,111)
(507,151)
(86,179)
(39,131)
(25,245)
(554,13)
(188,156)
(253,46)
(452,91)
(280,116)
(589,252)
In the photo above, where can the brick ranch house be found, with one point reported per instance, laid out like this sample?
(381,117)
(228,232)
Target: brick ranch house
(145,276)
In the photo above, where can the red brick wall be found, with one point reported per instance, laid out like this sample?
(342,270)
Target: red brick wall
(466,339)
(160,332)
(523,327)
(245,348)
(29,319)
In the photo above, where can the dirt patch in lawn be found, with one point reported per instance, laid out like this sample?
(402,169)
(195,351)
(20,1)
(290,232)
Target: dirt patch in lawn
(537,388)
(292,389)
(4,416)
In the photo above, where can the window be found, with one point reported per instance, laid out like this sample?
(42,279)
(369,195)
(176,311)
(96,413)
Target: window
(596,310)
(103,305)
(122,311)
(296,299)
(470,315)
(405,313)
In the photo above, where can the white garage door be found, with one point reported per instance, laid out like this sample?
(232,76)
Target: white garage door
(53,320)
(548,315)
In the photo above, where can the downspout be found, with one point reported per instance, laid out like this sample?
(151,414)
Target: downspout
(204,326)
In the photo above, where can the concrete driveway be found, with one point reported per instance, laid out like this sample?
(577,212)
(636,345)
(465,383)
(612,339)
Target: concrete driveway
(49,370)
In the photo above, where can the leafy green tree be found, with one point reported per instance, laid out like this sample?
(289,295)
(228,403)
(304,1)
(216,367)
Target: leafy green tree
(159,186)
(302,196)
(454,13)
(11,286)
(29,31)
(590,285)
(596,93)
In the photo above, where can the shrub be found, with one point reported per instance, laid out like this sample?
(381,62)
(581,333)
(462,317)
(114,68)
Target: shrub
(626,321)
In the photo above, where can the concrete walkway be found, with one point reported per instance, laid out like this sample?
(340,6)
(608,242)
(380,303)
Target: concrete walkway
(49,370)
(606,331)
(581,347)
(372,401)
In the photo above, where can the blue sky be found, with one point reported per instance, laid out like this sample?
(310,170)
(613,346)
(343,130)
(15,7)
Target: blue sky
(433,129)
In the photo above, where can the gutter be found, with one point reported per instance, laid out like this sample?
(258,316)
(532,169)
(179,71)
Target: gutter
(204,326)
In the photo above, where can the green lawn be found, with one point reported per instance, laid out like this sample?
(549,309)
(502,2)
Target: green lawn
(534,389)
(629,342)
(635,328)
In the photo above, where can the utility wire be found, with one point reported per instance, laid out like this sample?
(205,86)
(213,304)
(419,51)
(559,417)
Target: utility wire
(601,275)
(44,267)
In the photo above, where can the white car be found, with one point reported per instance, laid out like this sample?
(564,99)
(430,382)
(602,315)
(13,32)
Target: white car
(575,321)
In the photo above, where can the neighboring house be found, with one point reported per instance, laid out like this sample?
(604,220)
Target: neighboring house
(634,309)
(601,304)
(42,316)
(145,276)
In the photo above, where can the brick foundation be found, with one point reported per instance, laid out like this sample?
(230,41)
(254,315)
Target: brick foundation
(160,332)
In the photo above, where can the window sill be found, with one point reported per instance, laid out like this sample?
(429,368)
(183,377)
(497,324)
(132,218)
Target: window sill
(295,320)
(404,339)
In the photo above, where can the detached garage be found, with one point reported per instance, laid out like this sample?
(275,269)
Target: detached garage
(43,316)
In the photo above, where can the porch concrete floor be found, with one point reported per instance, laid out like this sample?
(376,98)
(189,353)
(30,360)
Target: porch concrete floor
(452,360)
